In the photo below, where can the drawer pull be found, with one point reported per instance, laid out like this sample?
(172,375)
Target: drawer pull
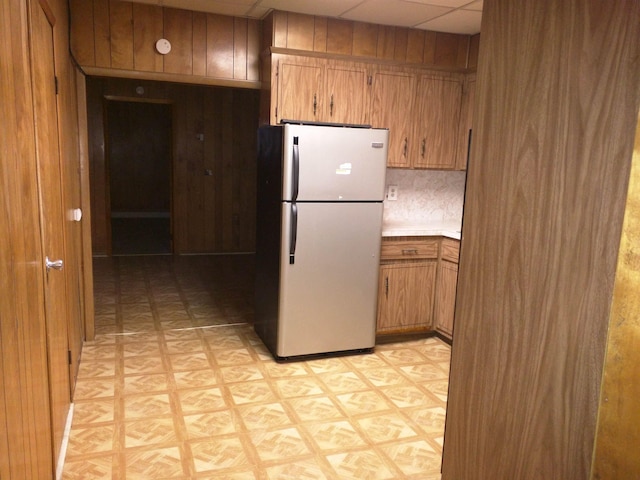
(410,251)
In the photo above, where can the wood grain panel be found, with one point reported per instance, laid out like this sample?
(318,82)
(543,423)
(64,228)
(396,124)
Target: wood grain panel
(240,48)
(178,28)
(443,310)
(429,56)
(300,31)
(474,48)
(83,44)
(386,42)
(401,43)
(557,96)
(320,34)
(102,33)
(25,432)
(280,21)
(121,34)
(219,46)
(446,53)
(415,46)
(147,29)
(199,57)
(254,34)
(365,39)
(339,36)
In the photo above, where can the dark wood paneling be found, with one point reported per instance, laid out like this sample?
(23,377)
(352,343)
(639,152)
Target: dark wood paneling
(214,128)
(219,46)
(114,34)
(121,34)
(178,28)
(147,29)
(556,107)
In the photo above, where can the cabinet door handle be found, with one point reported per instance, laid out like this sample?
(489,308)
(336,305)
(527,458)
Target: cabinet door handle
(315,103)
(410,251)
(424,147)
(406,141)
(331,106)
(386,287)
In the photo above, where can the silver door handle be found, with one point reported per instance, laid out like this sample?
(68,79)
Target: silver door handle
(57,264)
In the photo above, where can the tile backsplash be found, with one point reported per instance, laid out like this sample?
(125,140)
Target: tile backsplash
(425,196)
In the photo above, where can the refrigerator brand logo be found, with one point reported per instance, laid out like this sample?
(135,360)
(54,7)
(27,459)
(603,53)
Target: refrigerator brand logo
(344,169)
(377,144)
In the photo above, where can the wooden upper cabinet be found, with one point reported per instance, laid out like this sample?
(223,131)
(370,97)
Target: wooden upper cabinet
(436,122)
(392,97)
(318,90)
(347,94)
(300,89)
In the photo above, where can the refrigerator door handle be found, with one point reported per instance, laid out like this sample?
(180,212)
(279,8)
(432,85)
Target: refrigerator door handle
(293,233)
(296,170)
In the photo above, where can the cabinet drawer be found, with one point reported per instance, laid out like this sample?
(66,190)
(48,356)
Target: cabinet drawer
(450,250)
(408,249)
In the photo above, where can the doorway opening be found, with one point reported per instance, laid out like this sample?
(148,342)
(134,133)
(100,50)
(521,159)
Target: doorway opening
(139,166)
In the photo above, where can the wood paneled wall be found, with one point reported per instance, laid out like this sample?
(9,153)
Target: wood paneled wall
(25,429)
(117,38)
(556,106)
(26,444)
(365,40)
(214,129)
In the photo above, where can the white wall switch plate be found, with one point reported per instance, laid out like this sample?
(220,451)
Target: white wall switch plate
(392,192)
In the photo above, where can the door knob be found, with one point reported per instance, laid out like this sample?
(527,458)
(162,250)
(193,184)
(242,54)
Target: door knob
(57,264)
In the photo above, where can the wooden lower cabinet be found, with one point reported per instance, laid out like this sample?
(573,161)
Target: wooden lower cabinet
(445,298)
(417,285)
(405,296)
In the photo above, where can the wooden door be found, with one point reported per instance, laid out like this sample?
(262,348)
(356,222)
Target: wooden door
(406,294)
(347,94)
(51,215)
(299,91)
(392,97)
(437,122)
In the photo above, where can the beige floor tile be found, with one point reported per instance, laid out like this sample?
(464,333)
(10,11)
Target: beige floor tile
(178,385)
(280,444)
(361,465)
(218,453)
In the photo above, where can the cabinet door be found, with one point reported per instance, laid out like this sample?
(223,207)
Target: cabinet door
(392,97)
(437,122)
(299,91)
(446,298)
(405,296)
(466,124)
(346,98)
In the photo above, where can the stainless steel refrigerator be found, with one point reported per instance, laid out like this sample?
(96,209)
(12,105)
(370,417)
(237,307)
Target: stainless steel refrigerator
(318,232)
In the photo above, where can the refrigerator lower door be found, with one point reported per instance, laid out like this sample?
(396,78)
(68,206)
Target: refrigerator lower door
(328,286)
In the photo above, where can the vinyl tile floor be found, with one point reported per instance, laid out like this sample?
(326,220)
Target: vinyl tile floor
(176,385)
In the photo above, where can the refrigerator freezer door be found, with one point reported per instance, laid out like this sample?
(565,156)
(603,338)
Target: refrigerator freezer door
(334,163)
(328,289)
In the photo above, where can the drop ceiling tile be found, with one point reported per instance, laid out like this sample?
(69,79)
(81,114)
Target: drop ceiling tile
(394,12)
(477,6)
(328,8)
(239,8)
(444,3)
(459,21)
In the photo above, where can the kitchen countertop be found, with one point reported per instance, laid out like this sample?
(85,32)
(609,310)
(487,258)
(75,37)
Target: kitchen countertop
(424,229)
